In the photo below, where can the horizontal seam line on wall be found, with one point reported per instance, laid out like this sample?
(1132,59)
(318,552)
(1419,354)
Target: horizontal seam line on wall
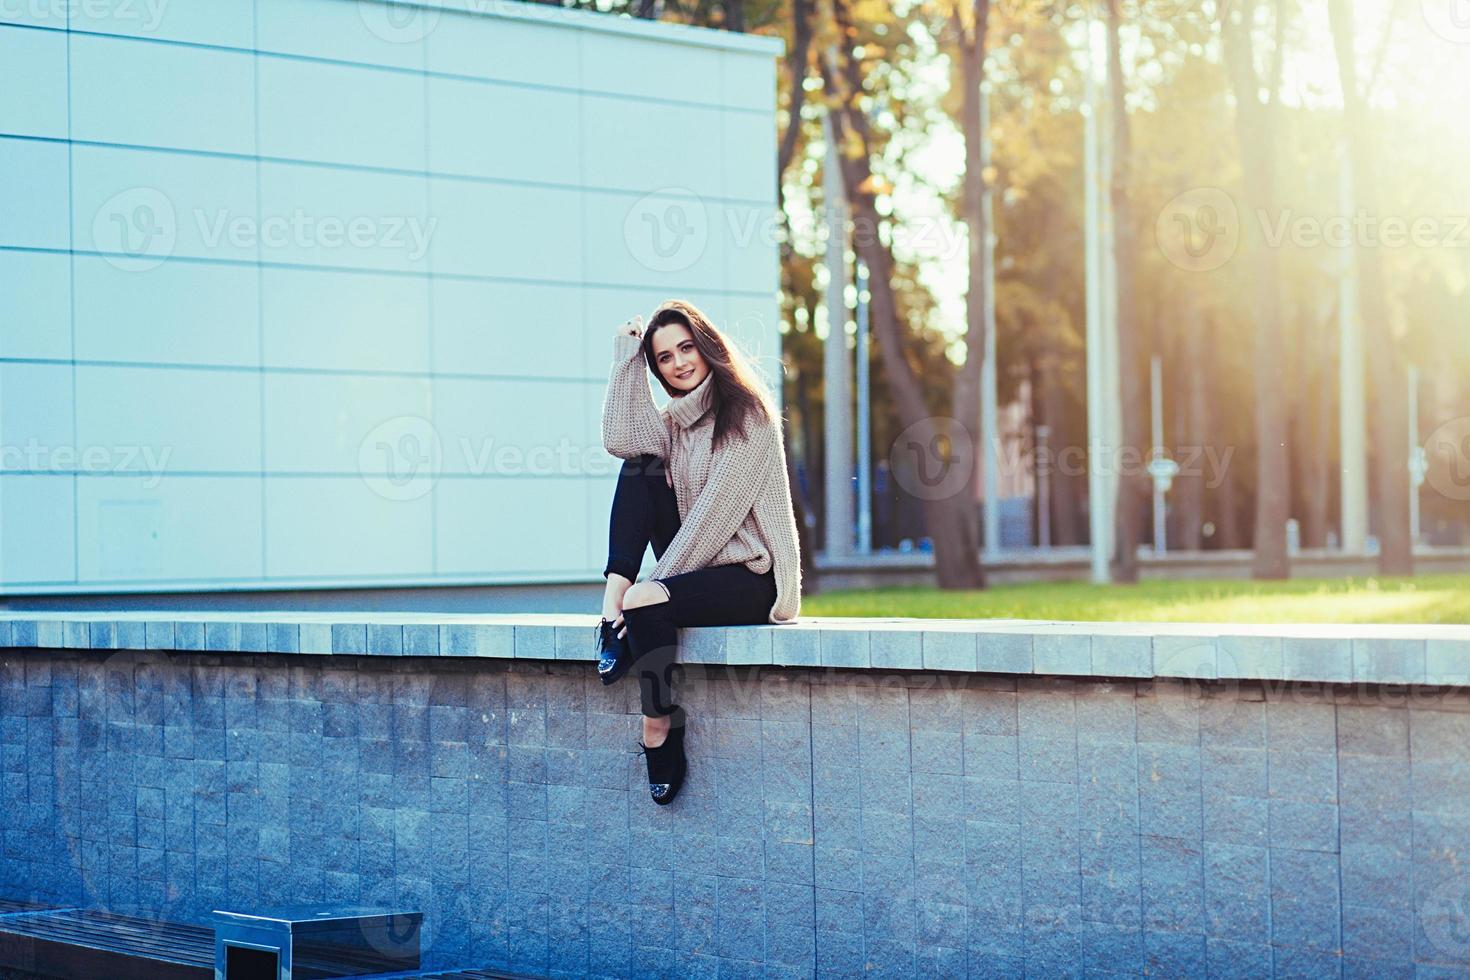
(418,174)
(358,270)
(303,474)
(292,369)
(394,69)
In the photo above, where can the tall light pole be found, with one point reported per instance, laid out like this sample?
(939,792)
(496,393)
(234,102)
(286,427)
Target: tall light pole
(1100,476)
(989,430)
(864,417)
(1352,411)
(1418,458)
(837,367)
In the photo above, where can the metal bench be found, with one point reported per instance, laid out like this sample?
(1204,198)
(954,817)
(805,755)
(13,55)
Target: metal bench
(76,942)
(315,941)
(45,941)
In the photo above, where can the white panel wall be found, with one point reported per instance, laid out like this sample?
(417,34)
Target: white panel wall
(305,292)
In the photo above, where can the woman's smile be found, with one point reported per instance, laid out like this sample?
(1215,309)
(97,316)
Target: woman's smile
(678,357)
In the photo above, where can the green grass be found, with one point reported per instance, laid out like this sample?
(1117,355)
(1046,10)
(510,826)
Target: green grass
(1425,599)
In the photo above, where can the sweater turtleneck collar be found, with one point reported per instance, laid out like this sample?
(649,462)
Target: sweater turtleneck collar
(690,407)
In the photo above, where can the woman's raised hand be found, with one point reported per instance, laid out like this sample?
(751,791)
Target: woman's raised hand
(632,327)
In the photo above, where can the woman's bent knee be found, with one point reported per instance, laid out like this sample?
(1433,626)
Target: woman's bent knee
(647,593)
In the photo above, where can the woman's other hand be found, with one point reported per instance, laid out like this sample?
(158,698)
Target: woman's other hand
(632,327)
(618,622)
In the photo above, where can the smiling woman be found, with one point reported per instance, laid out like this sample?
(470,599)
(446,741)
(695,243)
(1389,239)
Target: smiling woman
(704,484)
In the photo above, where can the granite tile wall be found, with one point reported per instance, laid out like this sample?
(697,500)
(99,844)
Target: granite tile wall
(836,822)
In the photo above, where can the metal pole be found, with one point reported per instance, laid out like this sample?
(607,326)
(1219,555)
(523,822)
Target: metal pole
(1043,487)
(1415,477)
(864,418)
(1107,248)
(1156,382)
(989,409)
(837,368)
(1352,410)
(1098,505)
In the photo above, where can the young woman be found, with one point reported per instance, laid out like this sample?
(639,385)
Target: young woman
(704,483)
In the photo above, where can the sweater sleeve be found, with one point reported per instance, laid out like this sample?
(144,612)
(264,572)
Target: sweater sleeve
(631,424)
(735,482)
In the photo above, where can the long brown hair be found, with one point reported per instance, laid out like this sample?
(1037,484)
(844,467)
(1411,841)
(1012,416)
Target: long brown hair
(738,391)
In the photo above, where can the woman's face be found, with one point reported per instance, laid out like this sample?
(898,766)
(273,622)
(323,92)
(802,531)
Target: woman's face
(678,359)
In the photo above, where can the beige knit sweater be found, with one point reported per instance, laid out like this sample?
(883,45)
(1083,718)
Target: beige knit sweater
(734,504)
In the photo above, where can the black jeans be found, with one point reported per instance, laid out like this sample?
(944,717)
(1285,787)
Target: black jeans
(645,512)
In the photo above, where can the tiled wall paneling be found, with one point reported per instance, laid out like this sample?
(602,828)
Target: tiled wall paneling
(345,227)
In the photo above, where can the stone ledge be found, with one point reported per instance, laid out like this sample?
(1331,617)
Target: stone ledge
(1330,653)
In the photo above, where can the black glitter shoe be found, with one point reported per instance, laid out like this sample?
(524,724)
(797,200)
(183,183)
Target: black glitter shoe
(613,654)
(667,764)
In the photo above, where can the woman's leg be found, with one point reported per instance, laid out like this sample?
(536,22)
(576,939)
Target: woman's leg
(723,595)
(644,512)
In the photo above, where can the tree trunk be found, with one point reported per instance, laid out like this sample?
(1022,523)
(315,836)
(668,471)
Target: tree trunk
(1255,133)
(1192,408)
(810,584)
(1386,373)
(1227,510)
(1315,432)
(956,554)
(1065,498)
(1228,529)
(971,42)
